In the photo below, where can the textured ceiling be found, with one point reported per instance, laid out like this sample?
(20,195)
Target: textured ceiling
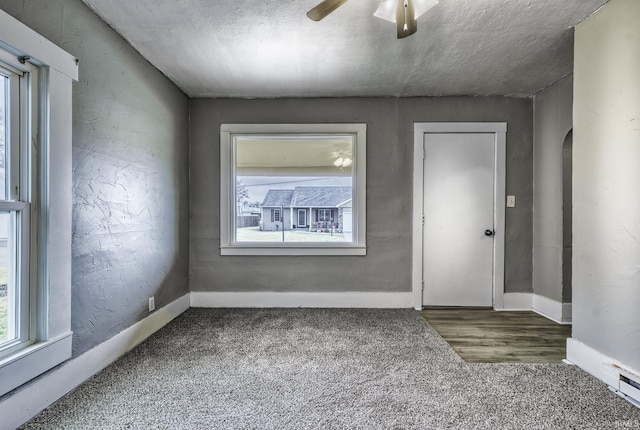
(269,48)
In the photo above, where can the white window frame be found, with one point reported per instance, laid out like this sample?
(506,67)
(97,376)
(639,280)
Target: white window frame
(47,122)
(228,246)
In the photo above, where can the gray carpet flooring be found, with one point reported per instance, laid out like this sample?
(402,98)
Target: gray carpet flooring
(326,369)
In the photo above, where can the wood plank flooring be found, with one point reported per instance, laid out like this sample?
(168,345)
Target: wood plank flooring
(488,336)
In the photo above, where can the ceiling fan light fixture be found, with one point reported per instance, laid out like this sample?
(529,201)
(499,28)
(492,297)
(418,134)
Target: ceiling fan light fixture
(343,162)
(387,8)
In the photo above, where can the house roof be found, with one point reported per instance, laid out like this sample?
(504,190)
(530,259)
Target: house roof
(326,197)
(278,198)
(320,196)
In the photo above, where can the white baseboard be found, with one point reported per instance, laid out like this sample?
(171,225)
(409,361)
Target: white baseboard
(592,361)
(552,309)
(517,302)
(588,359)
(300,300)
(33,398)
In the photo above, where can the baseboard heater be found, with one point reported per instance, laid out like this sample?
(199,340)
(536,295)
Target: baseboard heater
(623,382)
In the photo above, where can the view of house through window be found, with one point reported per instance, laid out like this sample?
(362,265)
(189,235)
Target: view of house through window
(7,325)
(8,299)
(294,188)
(13,296)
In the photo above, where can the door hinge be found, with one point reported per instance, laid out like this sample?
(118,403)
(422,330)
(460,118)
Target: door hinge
(422,219)
(422,282)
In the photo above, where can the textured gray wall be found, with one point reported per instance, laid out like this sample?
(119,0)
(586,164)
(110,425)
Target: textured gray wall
(606,182)
(130,174)
(551,122)
(387,266)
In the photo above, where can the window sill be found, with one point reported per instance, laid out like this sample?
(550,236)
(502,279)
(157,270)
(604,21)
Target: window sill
(293,250)
(32,361)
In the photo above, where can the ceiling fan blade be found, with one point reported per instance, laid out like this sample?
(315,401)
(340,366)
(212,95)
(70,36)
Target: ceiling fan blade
(324,8)
(406,19)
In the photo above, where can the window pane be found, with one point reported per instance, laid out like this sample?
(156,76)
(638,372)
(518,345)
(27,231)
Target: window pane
(294,189)
(4,108)
(8,291)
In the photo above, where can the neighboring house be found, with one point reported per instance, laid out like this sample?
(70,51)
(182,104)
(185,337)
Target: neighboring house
(247,215)
(246,209)
(308,208)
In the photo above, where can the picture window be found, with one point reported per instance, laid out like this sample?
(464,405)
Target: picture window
(293,189)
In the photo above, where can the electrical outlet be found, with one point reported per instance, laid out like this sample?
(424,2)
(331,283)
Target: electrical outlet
(511,201)
(152,304)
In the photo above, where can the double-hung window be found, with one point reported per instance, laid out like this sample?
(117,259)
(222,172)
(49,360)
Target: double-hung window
(35,203)
(306,183)
(14,208)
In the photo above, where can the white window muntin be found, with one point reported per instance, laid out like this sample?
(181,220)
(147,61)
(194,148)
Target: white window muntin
(230,133)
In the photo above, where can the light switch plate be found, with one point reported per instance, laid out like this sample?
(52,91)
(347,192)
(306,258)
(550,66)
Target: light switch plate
(511,201)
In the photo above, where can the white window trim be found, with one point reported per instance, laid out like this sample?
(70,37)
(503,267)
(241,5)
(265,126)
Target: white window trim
(51,122)
(228,247)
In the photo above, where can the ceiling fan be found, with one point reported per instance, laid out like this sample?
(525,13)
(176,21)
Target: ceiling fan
(403,13)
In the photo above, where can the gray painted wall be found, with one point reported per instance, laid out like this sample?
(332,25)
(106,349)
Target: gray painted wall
(552,121)
(130,174)
(387,266)
(606,182)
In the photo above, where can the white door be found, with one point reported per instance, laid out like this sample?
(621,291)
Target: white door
(302,218)
(458,219)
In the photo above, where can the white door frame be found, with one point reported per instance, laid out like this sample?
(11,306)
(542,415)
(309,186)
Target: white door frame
(499,129)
